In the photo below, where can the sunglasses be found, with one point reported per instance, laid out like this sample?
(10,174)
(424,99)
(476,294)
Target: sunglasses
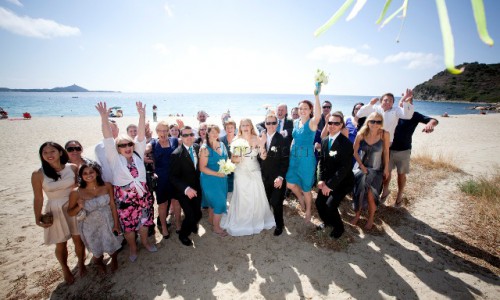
(71,149)
(335,123)
(129,144)
(271,123)
(326,106)
(187,134)
(375,122)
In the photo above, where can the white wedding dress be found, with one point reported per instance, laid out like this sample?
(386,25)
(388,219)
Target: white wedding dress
(249,211)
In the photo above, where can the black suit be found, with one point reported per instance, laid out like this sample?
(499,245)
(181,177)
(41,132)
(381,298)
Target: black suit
(275,165)
(288,127)
(335,169)
(183,174)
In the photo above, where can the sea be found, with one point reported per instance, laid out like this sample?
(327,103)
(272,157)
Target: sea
(45,104)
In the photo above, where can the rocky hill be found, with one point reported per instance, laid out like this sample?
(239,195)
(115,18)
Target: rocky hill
(478,83)
(68,89)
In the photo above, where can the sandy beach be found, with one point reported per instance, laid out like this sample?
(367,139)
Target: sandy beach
(413,259)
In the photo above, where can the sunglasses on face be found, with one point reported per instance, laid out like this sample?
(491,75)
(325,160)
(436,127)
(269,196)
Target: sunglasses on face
(71,149)
(187,134)
(327,106)
(129,144)
(375,122)
(335,123)
(271,123)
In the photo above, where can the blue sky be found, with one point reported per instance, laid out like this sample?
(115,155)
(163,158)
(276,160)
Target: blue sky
(230,46)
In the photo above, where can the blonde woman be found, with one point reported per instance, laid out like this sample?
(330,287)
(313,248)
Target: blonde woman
(249,212)
(372,166)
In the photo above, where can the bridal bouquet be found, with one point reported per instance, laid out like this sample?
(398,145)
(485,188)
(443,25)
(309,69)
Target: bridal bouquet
(226,166)
(239,147)
(320,78)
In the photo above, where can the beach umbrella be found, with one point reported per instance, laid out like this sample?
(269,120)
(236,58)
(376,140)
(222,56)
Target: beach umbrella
(116,107)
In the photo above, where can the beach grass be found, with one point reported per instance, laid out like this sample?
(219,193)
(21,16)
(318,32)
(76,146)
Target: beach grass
(481,198)
(435,161)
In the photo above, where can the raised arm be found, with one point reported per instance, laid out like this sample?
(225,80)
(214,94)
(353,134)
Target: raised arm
(367,109)
(406,112)
(104,112)
(313,124)
(141,128)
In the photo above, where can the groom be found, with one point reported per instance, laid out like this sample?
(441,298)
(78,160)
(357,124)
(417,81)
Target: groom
(273,167)
(185,177)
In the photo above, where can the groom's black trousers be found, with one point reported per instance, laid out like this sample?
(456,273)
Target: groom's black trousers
(276,197)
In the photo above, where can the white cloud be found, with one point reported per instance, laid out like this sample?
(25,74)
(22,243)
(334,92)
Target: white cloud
(161,48)
(39,28)
(338,54)
(168,10)
(415,60)
(15,2)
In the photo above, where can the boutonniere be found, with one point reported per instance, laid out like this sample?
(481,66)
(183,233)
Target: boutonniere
(273,149)
(332,153)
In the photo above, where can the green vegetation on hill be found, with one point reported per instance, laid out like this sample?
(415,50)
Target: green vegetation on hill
(478,83)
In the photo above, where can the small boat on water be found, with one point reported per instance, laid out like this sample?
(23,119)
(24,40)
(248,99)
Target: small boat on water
(116,112)
(74,97)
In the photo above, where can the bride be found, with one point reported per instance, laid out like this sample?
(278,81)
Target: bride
(249,211)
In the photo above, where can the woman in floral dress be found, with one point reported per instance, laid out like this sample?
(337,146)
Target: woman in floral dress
(133,199)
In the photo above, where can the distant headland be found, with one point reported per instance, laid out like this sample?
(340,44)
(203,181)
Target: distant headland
(478,83)
(68,89)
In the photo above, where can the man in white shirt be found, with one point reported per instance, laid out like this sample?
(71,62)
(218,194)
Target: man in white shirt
(100,154)
(201,116)
(390,113)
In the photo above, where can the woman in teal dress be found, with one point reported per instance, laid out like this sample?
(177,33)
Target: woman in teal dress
(213,183)
(300,175)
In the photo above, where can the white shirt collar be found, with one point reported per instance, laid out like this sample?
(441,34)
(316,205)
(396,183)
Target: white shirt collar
(334,137)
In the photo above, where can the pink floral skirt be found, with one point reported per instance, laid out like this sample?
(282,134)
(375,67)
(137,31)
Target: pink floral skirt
(134,211)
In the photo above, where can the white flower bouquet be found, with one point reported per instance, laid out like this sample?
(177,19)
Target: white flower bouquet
(226,166)
(239,147)
(320,78)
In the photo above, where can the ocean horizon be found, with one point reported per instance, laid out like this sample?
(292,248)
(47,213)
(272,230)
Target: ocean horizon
(46,104)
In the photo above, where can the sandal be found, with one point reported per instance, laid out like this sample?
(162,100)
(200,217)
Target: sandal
(220,234)
(383,198)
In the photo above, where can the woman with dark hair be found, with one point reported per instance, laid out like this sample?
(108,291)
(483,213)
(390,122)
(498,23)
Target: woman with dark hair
(134,201)
(174,131)
(94,207)
(372,142)
(202,134)
(56,178)
(213,183)
(300,175)
(351,123)
(227,139)
(75,149)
